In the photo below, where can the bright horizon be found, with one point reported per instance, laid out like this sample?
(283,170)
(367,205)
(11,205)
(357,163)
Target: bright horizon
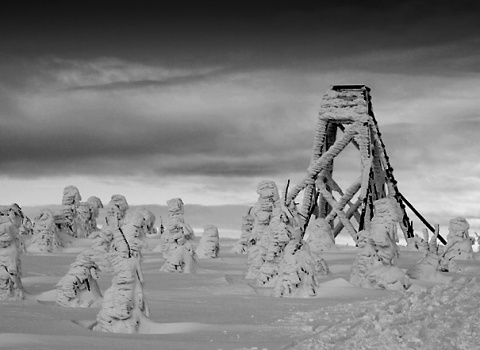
(205,102)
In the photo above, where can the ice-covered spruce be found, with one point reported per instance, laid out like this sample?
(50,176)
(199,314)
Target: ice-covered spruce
(209,244)
(246,239)
(376,262)
(45,233)
(11,287)
(124,307)
(176,211)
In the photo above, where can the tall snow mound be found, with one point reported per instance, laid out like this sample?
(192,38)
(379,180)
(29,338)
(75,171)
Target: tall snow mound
(445,317)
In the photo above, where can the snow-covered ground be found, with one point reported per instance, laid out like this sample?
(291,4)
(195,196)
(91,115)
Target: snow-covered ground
(217,309)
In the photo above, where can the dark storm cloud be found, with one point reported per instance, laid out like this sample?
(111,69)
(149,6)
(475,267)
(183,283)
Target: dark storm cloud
(262,33)
(123,137)
(193,148)
(272,163)
(209,89)
(69,119)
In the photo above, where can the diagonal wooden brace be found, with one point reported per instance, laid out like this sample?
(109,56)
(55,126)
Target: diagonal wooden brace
(341,215)
(349,193)
(315,168)
(352,211)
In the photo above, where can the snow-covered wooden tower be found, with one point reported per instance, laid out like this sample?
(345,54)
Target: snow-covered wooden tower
(345,117)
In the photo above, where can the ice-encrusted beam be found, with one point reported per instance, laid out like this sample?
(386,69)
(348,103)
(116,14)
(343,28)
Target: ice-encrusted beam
(315,168)
(379,175)
(349,193)
(341,215)
(352,211)
(322,205)
(319,144)
(342,127)
(331,182)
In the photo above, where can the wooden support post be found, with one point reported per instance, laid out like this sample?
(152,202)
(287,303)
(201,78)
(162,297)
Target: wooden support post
(422,219)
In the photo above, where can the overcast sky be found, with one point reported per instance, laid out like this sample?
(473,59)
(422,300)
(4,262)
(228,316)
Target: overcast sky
(202,102)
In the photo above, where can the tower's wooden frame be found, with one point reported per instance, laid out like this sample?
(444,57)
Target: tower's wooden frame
(348,109)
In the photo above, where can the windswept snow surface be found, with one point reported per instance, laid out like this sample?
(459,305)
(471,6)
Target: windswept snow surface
(217,309)
(444,317)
